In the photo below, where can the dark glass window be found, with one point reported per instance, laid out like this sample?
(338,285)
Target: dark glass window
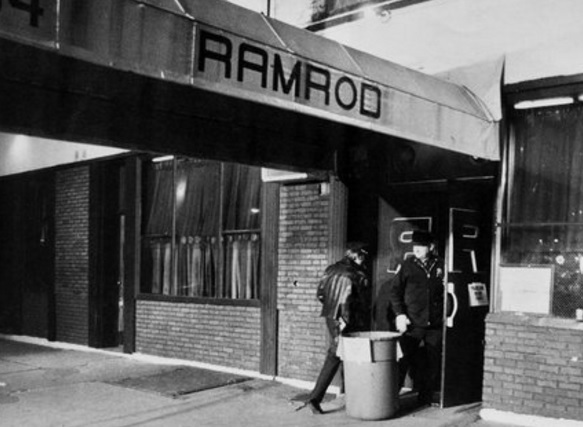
(544,215)
(212,210)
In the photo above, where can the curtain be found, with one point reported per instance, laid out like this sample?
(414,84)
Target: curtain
(548,166)
(197,225)
(156,243)
(192,189)
(242,221)
(242,197)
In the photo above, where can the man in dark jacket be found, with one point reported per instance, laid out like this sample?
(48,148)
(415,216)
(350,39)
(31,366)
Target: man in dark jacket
(416,297)
(344,292)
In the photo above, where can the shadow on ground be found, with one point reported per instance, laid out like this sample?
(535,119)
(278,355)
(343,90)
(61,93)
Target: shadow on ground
(181,381)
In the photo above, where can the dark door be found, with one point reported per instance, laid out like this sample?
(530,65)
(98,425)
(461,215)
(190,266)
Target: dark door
(459,214)
(27,255)
(468,290)
(106,232)
(400,212)
(38,257)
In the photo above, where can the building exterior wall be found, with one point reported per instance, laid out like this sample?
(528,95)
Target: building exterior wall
(534,365)
(303,256)
(72,255)
(225,335)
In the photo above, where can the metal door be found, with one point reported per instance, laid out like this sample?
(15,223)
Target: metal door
(459,214)
(467,291)
(400,213)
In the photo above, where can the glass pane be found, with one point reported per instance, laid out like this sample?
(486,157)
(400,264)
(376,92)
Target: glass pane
(560,246)
(547,167)
(242,197)
(546,200)
(241,238)
(197,213)
(188,189)
(156,241)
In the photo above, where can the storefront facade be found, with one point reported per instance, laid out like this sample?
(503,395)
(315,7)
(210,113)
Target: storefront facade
(533,352)
(532,340)
(235,286)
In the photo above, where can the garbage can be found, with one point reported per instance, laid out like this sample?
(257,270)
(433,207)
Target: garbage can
(371,375)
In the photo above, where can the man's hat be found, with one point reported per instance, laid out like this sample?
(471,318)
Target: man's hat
(423,238)
(357,247)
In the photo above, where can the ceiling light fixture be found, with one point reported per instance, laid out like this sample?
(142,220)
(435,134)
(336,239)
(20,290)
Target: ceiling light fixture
(546,102)
(162,158)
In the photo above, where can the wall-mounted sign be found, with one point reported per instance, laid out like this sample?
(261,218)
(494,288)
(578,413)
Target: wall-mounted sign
(526,288)
(478,294)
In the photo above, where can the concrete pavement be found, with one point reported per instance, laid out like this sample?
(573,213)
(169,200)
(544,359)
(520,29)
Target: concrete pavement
(41,385)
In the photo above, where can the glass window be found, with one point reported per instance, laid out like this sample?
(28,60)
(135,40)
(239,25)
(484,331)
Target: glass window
(213,211)
(544,216)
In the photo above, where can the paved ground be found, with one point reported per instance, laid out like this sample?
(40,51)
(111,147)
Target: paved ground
(44,386)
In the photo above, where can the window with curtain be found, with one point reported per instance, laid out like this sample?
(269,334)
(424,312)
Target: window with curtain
(202,231)
(544,215)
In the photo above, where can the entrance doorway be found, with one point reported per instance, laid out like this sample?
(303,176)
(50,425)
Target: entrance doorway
(27,295)
(107,222)
(459,214)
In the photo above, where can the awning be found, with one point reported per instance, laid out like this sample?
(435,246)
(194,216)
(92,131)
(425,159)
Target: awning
(222,48)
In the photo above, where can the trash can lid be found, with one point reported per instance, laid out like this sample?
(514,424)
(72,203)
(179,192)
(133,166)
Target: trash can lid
(375,335)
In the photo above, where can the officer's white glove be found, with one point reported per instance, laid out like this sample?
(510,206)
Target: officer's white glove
(402,322)
(341,324)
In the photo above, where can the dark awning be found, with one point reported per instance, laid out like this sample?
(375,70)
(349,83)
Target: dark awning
(221,48)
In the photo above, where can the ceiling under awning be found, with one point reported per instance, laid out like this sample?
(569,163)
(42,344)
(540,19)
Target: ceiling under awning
(222,48)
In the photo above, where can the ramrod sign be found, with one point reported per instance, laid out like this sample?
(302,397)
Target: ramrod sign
(218,47)
(226,59)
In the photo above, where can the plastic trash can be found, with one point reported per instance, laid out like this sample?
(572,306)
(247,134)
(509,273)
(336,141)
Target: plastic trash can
(371,375)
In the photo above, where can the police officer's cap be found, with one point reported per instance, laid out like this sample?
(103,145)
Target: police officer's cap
(422,238)
(358,247)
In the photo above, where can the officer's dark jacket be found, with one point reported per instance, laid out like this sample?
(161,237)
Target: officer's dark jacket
(417,291)
(344,291)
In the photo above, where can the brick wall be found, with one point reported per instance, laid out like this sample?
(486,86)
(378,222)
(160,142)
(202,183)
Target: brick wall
(534,366)
(72,255)
(303,256)
(217,334)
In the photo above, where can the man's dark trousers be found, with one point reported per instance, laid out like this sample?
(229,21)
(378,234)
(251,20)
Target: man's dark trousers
(331,363)
(424,362)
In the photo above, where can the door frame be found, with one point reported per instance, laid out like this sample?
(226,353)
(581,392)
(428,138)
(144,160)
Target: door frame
(105,210)
(486,189)
(443,190)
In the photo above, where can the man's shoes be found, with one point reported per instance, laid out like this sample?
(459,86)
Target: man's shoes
(314,407)
(428,398)
(424,398)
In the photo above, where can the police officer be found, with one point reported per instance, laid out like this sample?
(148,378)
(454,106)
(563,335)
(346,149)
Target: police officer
(344,292)
(416,297)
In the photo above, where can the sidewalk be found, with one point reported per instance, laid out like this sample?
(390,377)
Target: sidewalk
(45,386)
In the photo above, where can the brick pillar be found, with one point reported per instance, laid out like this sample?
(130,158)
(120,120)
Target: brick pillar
(72,255)
(312,225)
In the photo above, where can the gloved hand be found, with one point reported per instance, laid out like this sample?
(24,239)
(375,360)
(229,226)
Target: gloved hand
(402,322)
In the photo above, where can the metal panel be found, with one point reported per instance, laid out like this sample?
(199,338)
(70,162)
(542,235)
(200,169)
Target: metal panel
(152,41)
(232,19)
(324,51)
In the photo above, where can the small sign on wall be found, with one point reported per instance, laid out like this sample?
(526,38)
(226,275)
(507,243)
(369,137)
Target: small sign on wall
(478,294)
(526,288)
